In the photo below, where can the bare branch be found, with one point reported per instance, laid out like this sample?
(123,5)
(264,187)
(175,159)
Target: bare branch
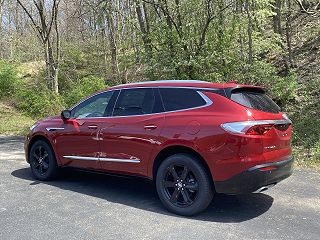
(37,28)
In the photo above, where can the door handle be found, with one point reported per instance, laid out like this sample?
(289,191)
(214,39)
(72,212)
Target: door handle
(150,127)
(92,126)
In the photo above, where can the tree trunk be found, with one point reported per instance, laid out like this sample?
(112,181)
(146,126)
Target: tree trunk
(143,24)
(250,52)
(1,10)
(221,32)
(113,47)
(277,18)
(52,70)
(43,28)
(288,33)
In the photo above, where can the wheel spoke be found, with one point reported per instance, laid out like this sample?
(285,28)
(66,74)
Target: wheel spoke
(184,173)
(45,155)
(36,164)
(186,197)
(174,196)
(40,168)
(174,173)
(192,186)
(45,165)
(35,155)
(39,149)
(168,184)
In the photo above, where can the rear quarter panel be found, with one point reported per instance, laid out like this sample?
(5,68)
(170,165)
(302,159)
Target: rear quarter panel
(200,130)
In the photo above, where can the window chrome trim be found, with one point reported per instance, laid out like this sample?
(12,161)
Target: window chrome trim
(198,90)
(204,97)
(104,159)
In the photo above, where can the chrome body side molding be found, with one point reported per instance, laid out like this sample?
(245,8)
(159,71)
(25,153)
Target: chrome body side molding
(104,159)
(51,129)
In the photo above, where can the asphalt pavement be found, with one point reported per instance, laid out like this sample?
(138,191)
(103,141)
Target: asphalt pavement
(82,205)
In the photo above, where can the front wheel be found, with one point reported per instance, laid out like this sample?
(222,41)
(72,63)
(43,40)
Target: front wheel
(42,160)
(184,185)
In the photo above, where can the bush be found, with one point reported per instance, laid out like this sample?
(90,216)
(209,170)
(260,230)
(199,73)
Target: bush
(39,102)
(317,151)
(83,88)
(9,81)
(282,89)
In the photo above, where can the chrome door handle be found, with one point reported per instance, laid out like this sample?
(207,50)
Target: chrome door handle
(150,127)
(92,126)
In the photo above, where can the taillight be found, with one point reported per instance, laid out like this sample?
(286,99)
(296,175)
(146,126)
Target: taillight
(253,127)
(259,129)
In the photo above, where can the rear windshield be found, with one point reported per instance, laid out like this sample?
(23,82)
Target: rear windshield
(255,100)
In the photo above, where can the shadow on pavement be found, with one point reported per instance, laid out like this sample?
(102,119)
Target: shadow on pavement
(140,193)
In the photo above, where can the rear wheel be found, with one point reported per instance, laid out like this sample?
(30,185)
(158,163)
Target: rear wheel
(184,185)
(42,160)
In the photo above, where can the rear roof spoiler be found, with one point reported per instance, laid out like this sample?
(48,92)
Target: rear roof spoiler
(255,89)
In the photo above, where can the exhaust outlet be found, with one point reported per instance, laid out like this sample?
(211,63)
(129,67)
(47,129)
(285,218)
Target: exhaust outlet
(264,188)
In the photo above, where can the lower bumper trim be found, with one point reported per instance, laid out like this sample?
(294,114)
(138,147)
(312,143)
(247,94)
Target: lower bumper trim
(256,180)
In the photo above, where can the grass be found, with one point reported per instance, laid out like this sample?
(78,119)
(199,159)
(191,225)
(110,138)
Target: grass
(13,122)
(306,158)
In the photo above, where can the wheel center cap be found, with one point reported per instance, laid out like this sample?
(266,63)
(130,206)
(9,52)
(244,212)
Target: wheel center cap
(179,185)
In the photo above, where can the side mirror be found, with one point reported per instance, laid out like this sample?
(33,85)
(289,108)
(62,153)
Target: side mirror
(66,114)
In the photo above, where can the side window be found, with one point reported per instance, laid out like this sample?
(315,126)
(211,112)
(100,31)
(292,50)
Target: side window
(179,98)
(92,107)
(137,101)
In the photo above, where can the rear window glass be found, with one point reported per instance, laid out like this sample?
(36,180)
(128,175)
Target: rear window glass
(255,100)
(179,98)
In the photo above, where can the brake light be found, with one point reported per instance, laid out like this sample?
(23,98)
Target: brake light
(259,129)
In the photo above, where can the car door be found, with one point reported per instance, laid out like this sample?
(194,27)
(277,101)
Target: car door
(77,143)
(130,135)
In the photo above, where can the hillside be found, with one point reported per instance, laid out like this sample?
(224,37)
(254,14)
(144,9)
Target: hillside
(106,44)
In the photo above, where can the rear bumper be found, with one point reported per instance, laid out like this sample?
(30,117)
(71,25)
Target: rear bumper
(256,178)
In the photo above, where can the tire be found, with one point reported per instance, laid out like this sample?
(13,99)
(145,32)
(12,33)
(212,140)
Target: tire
(184,185)
(43,162)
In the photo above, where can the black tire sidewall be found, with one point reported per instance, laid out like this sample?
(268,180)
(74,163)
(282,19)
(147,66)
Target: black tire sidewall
(52,171)
(205,193)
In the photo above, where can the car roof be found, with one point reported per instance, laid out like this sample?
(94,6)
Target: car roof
(183,83)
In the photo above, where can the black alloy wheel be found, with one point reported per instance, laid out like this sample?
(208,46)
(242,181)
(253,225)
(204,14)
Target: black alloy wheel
(42,161)
(180,185)
(184,185)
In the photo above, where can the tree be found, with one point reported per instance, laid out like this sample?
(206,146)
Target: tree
(45,24)
(288,33)
(248,11)
(1,10)
(277,17)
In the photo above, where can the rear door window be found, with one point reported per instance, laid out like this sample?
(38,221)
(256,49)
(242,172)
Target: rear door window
(179,98)
(255,100)
(137,101)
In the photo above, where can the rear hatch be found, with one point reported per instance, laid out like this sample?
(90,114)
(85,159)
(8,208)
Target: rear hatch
(270,125)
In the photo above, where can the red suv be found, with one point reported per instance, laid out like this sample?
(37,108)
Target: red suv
(193,138)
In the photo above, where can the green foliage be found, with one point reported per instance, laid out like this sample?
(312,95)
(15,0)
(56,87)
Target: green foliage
(8,79)
(317,150)
(83,88)
(305,114)
(39,102)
